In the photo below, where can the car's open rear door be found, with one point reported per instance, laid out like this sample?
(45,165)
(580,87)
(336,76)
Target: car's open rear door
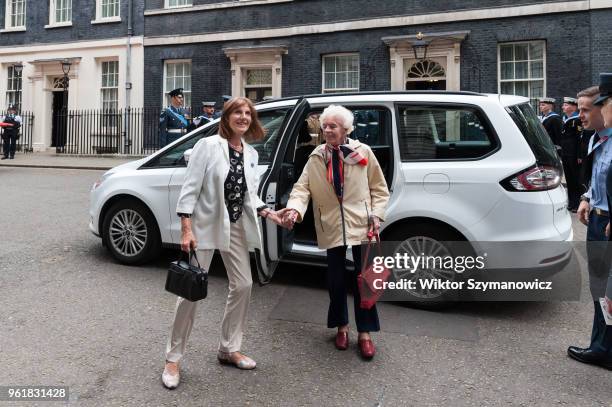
(274,191)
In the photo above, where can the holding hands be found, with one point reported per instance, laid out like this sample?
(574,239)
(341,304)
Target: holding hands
(289,217)
(285,217)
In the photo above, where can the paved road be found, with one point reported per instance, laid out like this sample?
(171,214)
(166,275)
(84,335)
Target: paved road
(72,316)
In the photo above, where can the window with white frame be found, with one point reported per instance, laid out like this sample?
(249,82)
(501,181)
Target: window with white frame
(15,13)
(13,88)
(522,69)
(177,74)
(60,11)
(178,3)
(109,91)
(340,73)
(107,8)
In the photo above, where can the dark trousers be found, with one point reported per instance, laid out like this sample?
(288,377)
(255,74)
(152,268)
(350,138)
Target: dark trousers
(337,275)
(9,145)
(601,334)
(570,168)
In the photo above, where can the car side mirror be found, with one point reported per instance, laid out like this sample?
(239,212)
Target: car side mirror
(187,154)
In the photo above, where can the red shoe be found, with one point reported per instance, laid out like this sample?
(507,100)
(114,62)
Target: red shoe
(366,347)
(342,341)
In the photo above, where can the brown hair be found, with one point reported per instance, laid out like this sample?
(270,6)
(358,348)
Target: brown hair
(591,92)
(255,131)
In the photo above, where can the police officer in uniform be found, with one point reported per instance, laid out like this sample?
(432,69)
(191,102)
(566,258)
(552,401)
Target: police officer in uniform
(552,121)
(208,115)
(174,120)
(11,123)
(570,139)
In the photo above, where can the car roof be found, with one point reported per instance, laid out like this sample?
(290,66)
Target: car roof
(407,96)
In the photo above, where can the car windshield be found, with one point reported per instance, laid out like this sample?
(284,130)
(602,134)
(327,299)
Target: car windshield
(540,143)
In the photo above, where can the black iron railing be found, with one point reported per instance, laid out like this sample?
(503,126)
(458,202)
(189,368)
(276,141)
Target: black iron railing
(24,142)
(129,131)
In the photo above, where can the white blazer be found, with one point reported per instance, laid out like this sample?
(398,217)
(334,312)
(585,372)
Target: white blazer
(202,194)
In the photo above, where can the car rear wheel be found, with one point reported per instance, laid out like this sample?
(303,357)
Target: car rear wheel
(130,232)
(428,240)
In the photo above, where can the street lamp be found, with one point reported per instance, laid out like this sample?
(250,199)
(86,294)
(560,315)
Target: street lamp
(66,69)
(18,68)
(420,47)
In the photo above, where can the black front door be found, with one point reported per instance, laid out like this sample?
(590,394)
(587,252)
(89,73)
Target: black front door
(426,85)
(59,126)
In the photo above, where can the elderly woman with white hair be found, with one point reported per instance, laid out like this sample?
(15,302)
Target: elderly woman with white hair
(349,196)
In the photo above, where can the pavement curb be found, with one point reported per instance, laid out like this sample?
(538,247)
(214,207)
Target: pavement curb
(61,167)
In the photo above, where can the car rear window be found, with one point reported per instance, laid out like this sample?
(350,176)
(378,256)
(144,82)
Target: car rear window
(528,123)
(441,132)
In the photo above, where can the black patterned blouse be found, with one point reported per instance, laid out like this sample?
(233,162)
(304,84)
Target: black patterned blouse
(235,185)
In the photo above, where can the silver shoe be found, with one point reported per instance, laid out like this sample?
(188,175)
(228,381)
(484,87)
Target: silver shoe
(170,381)
(245,363)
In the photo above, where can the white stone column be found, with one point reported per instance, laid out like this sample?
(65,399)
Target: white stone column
(39,108)
(277,76)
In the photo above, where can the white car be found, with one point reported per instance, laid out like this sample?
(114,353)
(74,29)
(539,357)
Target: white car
(460,166)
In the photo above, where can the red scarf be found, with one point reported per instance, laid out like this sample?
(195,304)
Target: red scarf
(347,155)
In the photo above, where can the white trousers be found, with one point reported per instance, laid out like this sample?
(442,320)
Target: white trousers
(238,267)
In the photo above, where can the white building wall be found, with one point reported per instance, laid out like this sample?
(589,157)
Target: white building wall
(42,63)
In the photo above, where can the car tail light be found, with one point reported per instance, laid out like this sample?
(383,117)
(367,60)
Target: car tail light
(536,178)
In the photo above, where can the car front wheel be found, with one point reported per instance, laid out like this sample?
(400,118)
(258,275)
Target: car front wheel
(130,232)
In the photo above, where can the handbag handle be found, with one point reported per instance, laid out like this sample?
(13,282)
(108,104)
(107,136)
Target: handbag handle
(371,238)
(192,254)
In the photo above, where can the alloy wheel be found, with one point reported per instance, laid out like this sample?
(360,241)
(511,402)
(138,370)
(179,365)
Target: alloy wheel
(423,246)
(128,232)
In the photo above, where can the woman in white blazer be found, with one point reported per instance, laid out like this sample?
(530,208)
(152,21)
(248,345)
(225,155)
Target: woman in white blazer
(218,206)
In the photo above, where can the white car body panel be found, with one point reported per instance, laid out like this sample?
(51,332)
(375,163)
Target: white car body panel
(465,194)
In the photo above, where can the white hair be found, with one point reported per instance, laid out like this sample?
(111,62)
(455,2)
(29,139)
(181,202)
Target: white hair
(336,111)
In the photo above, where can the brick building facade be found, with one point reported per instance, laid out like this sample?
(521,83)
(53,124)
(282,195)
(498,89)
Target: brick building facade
(289,47)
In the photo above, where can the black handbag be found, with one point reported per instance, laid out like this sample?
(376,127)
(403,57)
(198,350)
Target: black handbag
(187,280)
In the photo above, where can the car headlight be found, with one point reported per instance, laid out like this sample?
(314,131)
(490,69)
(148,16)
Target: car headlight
(101,180)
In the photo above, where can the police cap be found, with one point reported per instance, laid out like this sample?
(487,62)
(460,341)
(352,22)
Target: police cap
(176,92)
(605,88)
(208,104)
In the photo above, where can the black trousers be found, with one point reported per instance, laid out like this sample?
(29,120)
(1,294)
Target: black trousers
(570,168)
(337,276)
(601,334)
(9,145)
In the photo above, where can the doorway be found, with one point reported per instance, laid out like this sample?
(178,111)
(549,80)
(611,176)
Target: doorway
(257,94)
(258,84)
(427,74)
(426,85)
(59,126)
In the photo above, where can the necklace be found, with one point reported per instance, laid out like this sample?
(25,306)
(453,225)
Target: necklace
(235,147)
